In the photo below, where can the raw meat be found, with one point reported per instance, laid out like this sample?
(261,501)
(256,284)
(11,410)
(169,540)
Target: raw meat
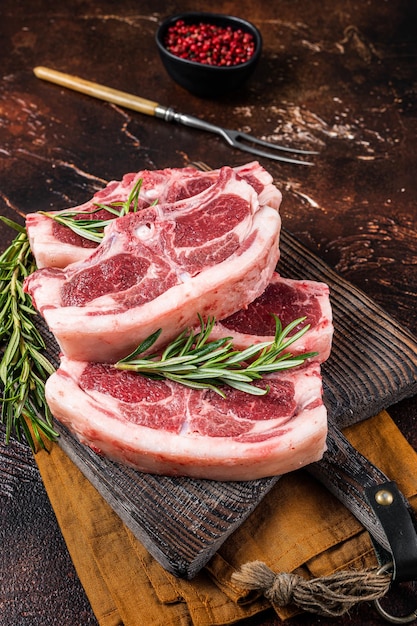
(55,245)
(165,428)
(212,253)
(289,300)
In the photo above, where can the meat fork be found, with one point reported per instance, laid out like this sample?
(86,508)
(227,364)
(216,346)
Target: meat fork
(236,139)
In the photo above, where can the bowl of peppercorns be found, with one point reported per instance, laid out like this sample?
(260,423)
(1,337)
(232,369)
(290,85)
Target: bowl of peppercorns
(209,54)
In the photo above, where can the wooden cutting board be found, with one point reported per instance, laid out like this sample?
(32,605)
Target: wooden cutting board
(181,521)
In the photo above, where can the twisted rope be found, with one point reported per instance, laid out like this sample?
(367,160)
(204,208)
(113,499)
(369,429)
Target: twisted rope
(330,595)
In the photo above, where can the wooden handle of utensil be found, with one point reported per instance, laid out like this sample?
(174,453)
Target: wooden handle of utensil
(97,91)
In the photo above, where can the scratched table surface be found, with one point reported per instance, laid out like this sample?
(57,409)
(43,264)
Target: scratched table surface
(337,76)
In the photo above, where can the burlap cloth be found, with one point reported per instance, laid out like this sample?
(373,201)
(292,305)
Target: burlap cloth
(298,527)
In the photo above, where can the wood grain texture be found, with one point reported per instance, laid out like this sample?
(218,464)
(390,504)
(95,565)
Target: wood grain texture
(347,474)
(340,80)
(181,521)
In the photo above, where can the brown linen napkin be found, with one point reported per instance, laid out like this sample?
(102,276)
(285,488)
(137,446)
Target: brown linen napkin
(298,527)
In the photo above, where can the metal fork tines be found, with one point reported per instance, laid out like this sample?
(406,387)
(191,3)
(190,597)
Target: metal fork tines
(236,139)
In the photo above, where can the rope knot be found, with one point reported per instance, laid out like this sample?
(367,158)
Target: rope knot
(282,589)
(329,595)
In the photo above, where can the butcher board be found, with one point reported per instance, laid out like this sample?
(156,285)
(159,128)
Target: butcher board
(181,521)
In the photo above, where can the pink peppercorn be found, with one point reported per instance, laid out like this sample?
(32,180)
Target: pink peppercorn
(209,44)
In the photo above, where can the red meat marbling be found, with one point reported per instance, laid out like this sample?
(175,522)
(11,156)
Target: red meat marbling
(166,428)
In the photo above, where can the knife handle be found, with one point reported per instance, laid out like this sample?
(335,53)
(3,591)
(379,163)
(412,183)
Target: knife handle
(346,473)
(102,92)
(373,499)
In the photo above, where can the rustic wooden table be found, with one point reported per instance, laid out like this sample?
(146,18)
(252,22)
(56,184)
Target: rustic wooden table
(336,76)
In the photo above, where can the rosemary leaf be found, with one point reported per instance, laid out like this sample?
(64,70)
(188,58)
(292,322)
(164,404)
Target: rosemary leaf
(248,353)
(195,385)
(91,228)
(193,360)
(14,225)
(24,367)
(143,347)
(248,388)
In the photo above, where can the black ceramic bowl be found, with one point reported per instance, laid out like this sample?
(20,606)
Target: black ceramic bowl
(208,80)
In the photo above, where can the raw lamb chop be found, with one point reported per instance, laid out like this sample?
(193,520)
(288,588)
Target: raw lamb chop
(163,427)
(212,254)
(289,300)
(55,245)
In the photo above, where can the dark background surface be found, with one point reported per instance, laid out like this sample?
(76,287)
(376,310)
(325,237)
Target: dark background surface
(336,76)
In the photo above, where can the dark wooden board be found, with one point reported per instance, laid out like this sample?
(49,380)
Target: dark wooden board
(183,522)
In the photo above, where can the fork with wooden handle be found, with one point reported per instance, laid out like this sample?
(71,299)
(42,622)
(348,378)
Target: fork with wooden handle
(236,139)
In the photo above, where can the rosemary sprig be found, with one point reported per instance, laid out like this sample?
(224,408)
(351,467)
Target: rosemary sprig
(93,229)
(23,365)
(193,360)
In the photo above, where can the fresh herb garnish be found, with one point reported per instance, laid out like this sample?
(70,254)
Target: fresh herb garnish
(193,360)
(23,365)
(93,229)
